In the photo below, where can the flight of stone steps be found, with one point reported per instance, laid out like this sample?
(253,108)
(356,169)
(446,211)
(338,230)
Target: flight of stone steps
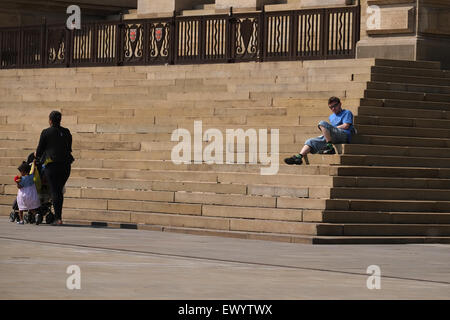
(394,182)
(390,185)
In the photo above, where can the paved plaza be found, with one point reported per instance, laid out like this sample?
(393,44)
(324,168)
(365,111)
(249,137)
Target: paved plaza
(137,264)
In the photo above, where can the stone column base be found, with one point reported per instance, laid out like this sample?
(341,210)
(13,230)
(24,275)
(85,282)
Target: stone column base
(410,48)
(434,49)
(387,48)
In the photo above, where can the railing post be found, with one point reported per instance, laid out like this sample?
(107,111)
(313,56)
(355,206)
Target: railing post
(202,39)
(173,52)
(356,27)
(262,34)
(1,49)
(119,48)
(230,33)
(21,47)
(324,33)
(293,35)
(94,51)
(68,47)
(44,43)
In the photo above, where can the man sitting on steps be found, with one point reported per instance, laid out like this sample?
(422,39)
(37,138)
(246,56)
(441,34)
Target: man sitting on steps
(339,131)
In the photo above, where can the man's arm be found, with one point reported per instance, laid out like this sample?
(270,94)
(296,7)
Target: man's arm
(347,121)
(70,140)
(344,126)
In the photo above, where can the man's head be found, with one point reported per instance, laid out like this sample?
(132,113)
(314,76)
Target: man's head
(334,103)
(54,118)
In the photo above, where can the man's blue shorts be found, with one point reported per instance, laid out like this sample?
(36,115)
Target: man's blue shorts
(319,143)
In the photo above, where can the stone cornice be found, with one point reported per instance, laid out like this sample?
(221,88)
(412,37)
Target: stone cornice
(388,2)
(435,3)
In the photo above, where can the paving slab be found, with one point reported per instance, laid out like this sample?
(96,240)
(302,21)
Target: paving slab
(138,264)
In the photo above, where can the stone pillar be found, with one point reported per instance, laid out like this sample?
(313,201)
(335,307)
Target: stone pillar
(405,30)
(323,3)
(248,4)
(167,7)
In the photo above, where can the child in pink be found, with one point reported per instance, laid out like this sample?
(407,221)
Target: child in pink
(27,196)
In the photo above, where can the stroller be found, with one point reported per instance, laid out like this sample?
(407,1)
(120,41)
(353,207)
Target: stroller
(45,210)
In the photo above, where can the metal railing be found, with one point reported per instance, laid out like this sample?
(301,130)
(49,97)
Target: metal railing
(329,33)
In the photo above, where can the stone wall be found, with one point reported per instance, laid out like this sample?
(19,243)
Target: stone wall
(31,12)
(406,30)
(161,7)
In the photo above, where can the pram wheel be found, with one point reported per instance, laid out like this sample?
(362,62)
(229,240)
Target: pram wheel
(13,216)
(29,218)
(49,218)
(39,219)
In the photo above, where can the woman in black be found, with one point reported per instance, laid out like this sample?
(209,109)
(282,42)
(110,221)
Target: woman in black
(55,147)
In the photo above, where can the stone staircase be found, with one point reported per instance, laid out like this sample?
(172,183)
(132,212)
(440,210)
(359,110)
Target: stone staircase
(390,186)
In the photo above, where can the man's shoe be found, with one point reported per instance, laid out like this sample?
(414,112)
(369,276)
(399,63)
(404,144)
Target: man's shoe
(295,159)
(57,223)
(329,149)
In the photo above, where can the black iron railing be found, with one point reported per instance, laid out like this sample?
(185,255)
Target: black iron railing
(329,33)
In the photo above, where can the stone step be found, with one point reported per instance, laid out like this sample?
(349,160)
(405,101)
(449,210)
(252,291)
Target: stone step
(408,104)
(418,114)
(77,144)
(213,220)
(155,88)
(379,240)
(384,193)
(203,167)
(194,176)
(409,121)
(130,184)
(412,132)
(384,205)
(419,72)
(393,161)
(189,125)
(23,153)
(404,95)
(406,151)
(220,229)
(400,172)
(391,78)
(408,64)
(167,155)
(350,94)
(257,196)
(401,141)
(9,166)
(355,229)
(106,137)
(385,182)
(220,177)
(336,216)
(98,220)
(373,85)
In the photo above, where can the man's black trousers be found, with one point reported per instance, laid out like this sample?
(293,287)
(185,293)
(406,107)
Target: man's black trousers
(57,174)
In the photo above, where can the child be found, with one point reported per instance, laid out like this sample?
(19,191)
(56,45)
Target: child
(27,196)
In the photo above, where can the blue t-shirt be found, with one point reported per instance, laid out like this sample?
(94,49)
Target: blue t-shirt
(345,116)
(26,181)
